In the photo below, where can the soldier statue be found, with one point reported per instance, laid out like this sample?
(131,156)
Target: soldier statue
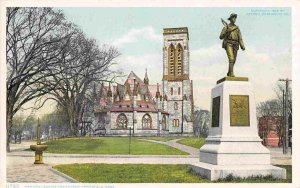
(232,39)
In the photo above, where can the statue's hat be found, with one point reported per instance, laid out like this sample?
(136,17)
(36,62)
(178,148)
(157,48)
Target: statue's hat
(232,16)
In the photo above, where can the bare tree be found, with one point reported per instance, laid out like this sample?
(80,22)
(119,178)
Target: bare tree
(202,122)
(17,129)
(34,39)
(273,110)
(55,124)
(270,110)
(279,88)
(84,63)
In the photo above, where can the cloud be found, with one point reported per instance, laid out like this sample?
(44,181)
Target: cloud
(135,34)
(208,56)
(139,63)
(263,69)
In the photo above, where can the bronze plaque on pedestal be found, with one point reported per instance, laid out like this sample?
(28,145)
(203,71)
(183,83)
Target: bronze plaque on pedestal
(239,110)
(215,112)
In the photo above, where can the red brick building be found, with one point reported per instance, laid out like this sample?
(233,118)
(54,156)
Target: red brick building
(269,128)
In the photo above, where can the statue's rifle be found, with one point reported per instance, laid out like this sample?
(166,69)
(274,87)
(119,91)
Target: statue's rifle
(224,23)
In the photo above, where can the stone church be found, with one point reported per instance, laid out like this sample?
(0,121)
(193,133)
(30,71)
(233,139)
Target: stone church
(161,109)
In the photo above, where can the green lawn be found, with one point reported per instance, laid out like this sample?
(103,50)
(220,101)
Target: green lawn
(110,145)
(192,141)
(129,173)
(147,173)
(262,179)
(159,138)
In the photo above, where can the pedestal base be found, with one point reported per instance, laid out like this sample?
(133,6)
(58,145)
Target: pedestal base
(234,151)
(215,172)
(38,157)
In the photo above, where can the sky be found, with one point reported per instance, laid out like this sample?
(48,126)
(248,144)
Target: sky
(137,33)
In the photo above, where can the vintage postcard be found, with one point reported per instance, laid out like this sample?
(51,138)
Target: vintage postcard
(111,94)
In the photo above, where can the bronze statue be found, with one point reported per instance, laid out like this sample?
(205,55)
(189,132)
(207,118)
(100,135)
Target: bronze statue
(232,39)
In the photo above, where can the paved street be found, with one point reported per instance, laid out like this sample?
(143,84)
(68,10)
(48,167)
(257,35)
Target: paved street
(19,160)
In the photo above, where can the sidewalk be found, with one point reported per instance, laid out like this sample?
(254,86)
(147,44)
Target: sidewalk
(277,157)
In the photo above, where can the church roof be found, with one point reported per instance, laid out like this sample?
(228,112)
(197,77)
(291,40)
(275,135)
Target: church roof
(133,76)
(132,85)
(120,90)
(142,106)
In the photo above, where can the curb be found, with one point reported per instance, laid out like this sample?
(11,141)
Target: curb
(70,179)
(110,156)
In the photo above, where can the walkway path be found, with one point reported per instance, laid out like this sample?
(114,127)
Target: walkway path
(20,167)
(18,160)
(277,158)
(27,172)
(173,143)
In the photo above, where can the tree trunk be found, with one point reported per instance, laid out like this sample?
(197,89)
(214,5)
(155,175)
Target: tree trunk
(279,141)
(20,137)
(15,137)
(74,110)
(73,120)
(267,131)
(9,117)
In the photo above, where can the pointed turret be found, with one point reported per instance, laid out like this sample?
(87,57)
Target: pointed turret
(157,95)
(146,79)
(109,95)
(127,91)
(109,92)
(136,88)
(165,98)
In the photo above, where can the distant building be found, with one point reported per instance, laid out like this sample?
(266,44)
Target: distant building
(269,127)
(152,109)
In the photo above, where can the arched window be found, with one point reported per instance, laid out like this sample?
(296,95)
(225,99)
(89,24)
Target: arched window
(147,122)
(171,91)
(171,57)
(164,122)
(179,91)
(175,122)
(179,59)
(122,121)
(184,97)
(175,106)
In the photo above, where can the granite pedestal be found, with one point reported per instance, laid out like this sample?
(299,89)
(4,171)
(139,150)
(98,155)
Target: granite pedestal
(233,146)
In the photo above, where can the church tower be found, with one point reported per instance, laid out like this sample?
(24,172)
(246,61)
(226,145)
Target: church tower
(177,87)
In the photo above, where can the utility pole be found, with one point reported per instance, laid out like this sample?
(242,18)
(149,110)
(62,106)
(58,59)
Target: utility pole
(129,140)
(286,140)
(283,123)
